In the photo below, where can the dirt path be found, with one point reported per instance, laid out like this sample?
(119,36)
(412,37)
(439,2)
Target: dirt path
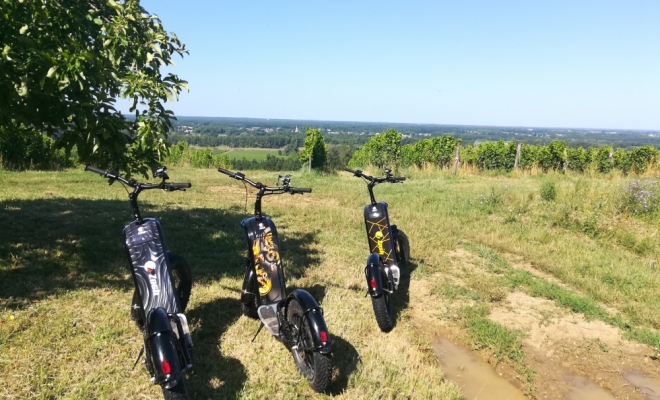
(572,358)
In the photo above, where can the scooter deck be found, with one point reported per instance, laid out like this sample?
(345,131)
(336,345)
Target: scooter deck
(268,316)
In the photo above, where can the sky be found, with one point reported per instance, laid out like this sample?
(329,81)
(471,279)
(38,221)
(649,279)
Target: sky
(571,64)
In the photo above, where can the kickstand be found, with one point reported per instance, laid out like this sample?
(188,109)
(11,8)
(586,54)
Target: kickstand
(138,358)
(258,330)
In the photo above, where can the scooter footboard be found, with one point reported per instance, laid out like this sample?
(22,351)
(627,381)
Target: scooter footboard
(314,315)
(162,344)
(373,273)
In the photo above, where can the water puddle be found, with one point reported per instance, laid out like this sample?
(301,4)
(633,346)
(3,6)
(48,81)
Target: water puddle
(584,389)
(647,386)
(477,379)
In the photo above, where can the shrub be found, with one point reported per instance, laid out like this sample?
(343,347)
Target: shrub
(22,148)
(642,196)
(548,191)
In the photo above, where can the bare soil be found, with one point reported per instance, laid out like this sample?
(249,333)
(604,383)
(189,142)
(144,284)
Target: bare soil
(565,350)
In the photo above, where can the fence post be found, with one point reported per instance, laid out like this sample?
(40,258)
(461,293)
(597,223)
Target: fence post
(310,153)
(456,160)
(517,160)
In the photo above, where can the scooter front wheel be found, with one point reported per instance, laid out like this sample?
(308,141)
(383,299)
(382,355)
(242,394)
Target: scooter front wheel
(383,310)
(314,366)
(402,249)
(178,392)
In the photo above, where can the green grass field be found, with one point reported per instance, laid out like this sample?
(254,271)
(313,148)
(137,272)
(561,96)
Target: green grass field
(65,290)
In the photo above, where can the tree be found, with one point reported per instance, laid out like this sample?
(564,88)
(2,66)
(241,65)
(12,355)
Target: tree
(314,146)
(64,65)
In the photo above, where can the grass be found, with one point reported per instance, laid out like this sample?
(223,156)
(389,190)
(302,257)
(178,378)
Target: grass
(65,330)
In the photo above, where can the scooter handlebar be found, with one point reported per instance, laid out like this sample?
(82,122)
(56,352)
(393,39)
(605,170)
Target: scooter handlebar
(177,186)
(102,172)
(237,175)
(294,190)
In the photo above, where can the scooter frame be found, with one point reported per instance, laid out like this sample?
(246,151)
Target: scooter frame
(167,340)
(264,284)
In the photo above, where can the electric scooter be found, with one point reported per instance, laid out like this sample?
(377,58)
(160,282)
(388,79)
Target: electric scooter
(390,251)
(163,284)
(295,319)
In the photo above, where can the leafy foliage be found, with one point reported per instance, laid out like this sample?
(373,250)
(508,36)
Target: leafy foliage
(438,151)
(63,68)
(382,150)
(314,147)
(182,154)
(23,148)
(548,191)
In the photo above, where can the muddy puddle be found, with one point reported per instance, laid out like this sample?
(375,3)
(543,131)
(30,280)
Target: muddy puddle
(584,389)
(646,386)
(477,379)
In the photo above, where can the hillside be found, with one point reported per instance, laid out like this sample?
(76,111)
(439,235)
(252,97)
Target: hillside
(544,277)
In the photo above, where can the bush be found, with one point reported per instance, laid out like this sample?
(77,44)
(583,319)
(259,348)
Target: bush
(642,196)
(548,191)
(22,148)
(182,154)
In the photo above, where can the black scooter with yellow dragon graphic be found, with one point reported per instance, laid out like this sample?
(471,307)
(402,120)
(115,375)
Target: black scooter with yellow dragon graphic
(295,319)
(390,251)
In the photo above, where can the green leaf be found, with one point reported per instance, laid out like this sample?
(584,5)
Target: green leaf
(23,91)
(51,71)
(23,29)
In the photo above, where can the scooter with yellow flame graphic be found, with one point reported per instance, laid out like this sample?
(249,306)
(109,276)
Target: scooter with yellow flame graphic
(389,249)
(295,319)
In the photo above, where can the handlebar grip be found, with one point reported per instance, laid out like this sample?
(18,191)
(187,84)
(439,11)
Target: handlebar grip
(94,169)
(355,172)
(398,178)
(179,186)
(224,171)
(300,190)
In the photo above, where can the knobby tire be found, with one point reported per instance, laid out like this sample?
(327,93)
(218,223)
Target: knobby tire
(314,366)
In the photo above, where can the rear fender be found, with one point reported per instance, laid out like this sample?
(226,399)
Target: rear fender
(374,275)
(314,315)
(162,343)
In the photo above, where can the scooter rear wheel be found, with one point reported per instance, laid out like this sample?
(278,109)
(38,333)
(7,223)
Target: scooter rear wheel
(383,310)
(314,366)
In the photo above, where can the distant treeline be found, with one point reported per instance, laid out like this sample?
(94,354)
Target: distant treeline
(262,141)
(338,132)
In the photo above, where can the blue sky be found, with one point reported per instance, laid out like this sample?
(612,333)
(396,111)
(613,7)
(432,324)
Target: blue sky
(580,64)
